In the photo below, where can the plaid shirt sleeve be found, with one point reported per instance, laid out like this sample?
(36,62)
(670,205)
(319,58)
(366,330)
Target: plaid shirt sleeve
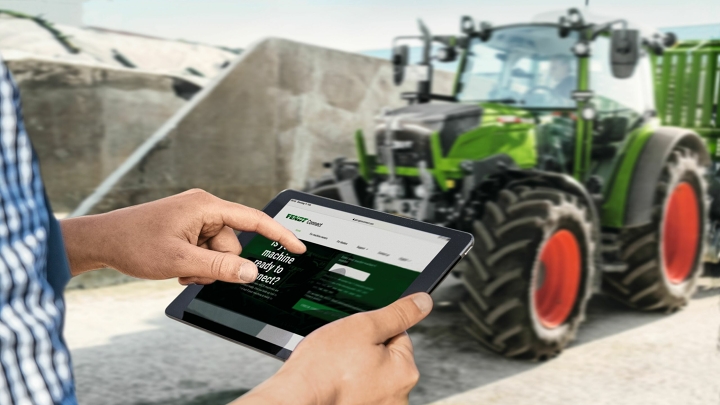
(34,360)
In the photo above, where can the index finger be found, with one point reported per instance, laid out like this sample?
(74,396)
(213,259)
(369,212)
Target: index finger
(242,218)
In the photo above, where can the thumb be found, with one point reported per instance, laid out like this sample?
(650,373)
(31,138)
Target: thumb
(399,316)
(202,263)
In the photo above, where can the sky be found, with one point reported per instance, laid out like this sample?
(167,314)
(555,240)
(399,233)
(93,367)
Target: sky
(357,25)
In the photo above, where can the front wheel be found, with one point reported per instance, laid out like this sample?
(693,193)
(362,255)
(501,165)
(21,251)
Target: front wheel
(529,273)
(664,257)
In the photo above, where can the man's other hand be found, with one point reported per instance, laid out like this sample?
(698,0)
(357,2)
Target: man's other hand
(366,358)
(190,236)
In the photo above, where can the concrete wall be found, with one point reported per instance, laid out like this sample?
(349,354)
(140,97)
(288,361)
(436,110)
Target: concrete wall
(281,110)
(85,120)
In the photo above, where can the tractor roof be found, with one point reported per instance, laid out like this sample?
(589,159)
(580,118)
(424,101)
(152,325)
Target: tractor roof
(531,39)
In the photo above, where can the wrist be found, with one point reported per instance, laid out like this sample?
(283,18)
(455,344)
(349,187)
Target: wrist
(85,243)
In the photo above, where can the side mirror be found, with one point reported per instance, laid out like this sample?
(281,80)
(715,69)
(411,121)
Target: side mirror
(624,52)
(399,61)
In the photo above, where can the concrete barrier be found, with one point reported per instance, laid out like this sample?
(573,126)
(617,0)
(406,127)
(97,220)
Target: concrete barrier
(85,120)
(267,123)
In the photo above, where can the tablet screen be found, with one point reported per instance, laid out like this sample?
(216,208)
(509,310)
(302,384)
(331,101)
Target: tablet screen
(352,264)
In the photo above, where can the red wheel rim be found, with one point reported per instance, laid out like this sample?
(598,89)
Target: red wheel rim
(557,284)
(681,233)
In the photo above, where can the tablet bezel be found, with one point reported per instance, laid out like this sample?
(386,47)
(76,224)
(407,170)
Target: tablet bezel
(458,245)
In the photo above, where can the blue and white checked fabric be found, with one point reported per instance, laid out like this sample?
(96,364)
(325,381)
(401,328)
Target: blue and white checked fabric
(34,360)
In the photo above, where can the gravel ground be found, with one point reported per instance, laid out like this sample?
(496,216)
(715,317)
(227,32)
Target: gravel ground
(126,352)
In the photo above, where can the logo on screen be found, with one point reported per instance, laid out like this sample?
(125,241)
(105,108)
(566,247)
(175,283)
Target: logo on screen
(296,218)
(303,220)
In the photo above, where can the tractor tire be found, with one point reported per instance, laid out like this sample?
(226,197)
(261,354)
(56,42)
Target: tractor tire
(664,258)
(529,275)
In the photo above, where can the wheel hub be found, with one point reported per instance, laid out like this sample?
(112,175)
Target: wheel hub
(558,279)
(681,233)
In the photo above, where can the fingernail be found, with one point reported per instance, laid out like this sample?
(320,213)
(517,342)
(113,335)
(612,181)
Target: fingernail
(423,302)
(248,272)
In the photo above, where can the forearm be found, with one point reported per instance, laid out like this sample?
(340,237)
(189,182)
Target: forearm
(84,242)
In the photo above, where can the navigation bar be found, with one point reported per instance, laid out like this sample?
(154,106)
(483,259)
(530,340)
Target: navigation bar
(368,221)
(377,240)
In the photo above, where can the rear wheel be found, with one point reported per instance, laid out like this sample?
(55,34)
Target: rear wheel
(664,258)
(529,273)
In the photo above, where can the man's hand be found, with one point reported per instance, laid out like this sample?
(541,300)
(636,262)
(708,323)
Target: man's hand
(365,358)
(189,236)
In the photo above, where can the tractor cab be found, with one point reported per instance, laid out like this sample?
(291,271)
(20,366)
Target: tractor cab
(538,68)
(529,67)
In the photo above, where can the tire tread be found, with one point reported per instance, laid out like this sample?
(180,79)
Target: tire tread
(497,279)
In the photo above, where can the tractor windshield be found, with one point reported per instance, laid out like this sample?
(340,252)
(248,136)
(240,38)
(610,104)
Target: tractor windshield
(530,66)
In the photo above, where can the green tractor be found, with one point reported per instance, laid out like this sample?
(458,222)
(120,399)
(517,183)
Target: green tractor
(551,151)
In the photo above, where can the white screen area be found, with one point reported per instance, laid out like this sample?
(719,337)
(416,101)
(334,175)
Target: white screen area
(377,240)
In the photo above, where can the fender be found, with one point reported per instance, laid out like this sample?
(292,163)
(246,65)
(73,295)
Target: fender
(562,182)
(648,169)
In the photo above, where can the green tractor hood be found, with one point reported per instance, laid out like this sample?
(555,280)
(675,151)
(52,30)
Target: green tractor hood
(444,136)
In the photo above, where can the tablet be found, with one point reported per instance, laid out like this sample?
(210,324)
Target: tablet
(357,259)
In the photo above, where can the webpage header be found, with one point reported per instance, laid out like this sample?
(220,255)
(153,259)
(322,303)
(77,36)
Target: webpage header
(382,241)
